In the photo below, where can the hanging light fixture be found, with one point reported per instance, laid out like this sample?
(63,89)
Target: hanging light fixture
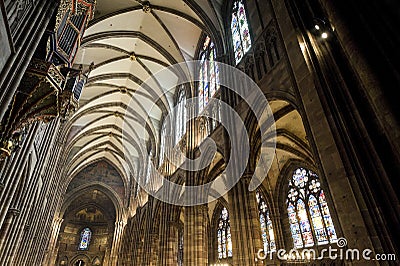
(321,28)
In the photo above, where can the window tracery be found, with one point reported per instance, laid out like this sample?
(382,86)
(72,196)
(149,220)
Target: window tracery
(267,230)
(309,216)
(240,31)
(224,238)
(208,74)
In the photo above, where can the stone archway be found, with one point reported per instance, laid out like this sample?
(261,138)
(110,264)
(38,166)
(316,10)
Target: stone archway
(92,209)
(80,260)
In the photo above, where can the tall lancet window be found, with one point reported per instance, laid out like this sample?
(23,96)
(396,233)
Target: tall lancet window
(267,230)
(309,216)
(162,142)
(224,237)
(148,168)
(241,39)
(208,73)
(84,242)
(180,115)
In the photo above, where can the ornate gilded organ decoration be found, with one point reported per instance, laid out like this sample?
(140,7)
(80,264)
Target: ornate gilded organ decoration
(71,25)
(51,86)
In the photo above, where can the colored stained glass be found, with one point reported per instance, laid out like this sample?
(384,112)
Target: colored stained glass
(237,43)
(244,28)
(241,39)
(305,187)
(224,237)
(201,82)
(86,234)
(208,74)
(316,218)
(294,226)
(304,224)
(212,74)
(327,218)
(180,116)
(219,244)
(267,231)
(229,242)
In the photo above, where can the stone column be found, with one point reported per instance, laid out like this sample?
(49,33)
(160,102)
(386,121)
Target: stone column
(245,225)
(52,247)
(195,236)
(154,244)
(139,253)
(118,232)
(169,243)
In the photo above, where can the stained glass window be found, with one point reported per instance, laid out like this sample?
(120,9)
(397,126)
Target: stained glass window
(304,224)
(180,116)
(267,230)
(309,217)
(86,234)
(162,142)
(208,73)
(294,226)
(79,263)
(148,170)
(224,237)
(240,31)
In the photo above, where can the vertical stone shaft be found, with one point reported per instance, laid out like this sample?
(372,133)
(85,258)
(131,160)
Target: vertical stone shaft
(245,225)
(196,240)
(119,229)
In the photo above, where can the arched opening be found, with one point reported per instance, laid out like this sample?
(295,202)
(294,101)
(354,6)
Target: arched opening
(88,226)
(80,263)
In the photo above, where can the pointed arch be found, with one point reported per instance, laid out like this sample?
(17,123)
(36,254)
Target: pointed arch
(267,229)
(309,216)
(223,248)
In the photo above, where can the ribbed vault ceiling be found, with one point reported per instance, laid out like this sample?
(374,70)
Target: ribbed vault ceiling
(127,45)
